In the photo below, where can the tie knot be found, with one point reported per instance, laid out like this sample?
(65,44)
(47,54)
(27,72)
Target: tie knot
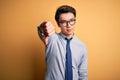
(68,40)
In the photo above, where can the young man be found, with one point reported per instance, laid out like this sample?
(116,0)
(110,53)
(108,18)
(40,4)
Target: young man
(66,55)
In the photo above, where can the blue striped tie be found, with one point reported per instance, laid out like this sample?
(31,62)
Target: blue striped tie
(68,71)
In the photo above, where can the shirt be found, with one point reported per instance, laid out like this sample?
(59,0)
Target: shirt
(55,58)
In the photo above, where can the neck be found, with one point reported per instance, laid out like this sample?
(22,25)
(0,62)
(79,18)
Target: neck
(68,35)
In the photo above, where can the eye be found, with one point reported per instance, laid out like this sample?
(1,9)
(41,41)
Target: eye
(72,19)
(62,21)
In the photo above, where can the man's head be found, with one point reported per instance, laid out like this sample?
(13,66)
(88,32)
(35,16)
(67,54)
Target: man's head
(65,18)
(64,9)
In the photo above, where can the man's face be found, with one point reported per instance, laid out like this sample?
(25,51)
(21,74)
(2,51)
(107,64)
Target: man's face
(66,23)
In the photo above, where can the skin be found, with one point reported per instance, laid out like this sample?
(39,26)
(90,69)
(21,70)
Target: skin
(49,29)
(68,30)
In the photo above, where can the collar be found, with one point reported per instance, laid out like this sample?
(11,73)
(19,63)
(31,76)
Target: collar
(63,36)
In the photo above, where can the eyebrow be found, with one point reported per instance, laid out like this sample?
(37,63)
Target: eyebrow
(69,20)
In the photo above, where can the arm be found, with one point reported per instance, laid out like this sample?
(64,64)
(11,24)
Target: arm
(83,67)
(45,30)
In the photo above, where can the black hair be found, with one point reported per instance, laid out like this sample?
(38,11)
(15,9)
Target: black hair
(64,9)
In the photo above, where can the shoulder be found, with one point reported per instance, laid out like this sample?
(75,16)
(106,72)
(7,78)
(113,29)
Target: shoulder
(78,41)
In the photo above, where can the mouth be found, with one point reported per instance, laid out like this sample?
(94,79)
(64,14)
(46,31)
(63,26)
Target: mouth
(69,30)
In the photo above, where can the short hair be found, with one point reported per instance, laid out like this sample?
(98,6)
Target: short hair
(64,9)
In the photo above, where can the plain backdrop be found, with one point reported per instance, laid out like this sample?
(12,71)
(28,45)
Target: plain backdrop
(22,53)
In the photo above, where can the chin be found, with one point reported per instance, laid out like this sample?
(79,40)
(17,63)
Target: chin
(69,33)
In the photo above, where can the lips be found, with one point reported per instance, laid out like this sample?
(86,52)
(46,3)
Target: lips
(69,30)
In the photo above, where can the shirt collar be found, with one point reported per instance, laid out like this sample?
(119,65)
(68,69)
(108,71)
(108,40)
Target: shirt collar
(63,36)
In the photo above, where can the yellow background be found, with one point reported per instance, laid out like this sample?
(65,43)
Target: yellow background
(22,54)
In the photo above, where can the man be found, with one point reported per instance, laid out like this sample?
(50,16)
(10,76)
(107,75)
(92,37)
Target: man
(66,55)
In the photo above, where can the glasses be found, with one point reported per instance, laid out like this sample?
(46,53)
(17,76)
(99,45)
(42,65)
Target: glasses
(65,23)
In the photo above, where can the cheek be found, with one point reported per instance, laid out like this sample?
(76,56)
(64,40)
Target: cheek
(62,28)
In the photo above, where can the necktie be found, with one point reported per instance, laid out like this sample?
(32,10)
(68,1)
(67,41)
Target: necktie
(68,71)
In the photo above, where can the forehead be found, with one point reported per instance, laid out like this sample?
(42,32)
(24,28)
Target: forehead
(67,16)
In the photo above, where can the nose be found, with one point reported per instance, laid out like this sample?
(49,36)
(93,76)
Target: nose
(68,24)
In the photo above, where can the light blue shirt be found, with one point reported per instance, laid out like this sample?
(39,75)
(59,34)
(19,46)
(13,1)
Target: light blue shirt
(55,58)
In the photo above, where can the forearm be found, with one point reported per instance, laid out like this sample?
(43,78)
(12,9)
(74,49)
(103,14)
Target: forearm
(83,67)
(83,74)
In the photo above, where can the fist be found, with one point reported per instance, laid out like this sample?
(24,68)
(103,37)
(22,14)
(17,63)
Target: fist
(48,29)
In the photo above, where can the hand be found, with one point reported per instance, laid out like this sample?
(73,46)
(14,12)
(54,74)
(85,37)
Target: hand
(48,29)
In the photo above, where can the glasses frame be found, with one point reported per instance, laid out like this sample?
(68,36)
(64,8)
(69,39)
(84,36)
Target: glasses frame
(65,22)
